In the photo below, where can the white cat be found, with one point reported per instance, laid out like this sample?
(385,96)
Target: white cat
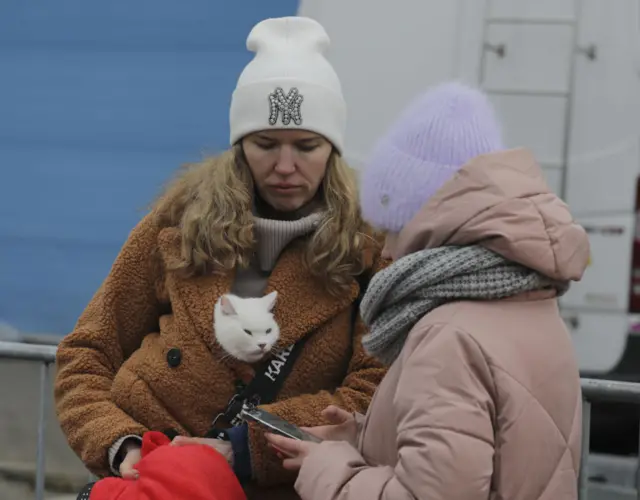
(245,327)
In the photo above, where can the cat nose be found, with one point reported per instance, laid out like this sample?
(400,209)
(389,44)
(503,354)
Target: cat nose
(262,346)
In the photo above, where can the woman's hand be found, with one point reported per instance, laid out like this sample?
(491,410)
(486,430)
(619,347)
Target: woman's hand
(223,447)
(344,426)
(132,454)
(292,452)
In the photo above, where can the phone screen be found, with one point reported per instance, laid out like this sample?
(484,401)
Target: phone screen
(277,425)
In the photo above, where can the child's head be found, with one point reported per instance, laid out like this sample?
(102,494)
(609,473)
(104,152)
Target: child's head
(433,138)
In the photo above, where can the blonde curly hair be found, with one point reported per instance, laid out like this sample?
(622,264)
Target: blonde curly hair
(211,203)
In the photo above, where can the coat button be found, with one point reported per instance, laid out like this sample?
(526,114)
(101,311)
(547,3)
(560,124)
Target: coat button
(174,357)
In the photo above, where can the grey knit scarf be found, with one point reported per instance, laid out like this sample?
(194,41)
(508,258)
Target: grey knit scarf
(400,295)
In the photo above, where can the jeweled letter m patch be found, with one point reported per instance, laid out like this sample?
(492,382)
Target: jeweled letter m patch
(288,106)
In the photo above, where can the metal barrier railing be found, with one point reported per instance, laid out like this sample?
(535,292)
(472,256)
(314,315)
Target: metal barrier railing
(46,355)
(602,391)
(592,391)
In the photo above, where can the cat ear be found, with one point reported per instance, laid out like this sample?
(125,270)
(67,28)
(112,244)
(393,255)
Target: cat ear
(227,306)
(270,300)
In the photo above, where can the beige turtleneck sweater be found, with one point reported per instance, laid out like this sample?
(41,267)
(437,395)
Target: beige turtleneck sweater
(272,236)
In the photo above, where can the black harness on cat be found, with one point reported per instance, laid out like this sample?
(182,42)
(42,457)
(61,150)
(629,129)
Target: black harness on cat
(270,376)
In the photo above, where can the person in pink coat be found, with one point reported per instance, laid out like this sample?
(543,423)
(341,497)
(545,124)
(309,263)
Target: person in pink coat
(482,399)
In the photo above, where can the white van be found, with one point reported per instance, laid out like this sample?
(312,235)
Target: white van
(565,77)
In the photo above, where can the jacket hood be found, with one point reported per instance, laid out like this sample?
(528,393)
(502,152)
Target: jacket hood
(502,202)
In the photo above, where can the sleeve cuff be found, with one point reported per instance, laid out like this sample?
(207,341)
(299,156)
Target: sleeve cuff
(360,419)
(114,463)
(239,437)
(330,466)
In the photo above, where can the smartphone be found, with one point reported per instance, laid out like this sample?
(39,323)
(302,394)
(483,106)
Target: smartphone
(276,425)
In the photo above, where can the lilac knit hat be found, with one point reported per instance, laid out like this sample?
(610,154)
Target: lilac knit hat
(434,137)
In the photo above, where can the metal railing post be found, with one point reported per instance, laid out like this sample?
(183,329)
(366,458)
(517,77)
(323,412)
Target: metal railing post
(583,477)
(42,424)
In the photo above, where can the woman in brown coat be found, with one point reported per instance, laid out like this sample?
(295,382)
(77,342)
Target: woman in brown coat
(277,212)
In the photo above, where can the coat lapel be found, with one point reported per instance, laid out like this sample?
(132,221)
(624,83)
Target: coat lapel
(197,295)
(303,304)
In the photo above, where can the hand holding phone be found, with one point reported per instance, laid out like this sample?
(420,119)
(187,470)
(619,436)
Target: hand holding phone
(276,425)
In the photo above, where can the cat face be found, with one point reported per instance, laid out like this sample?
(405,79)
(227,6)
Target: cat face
(245,327)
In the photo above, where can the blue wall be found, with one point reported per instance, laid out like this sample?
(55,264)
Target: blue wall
(100,101)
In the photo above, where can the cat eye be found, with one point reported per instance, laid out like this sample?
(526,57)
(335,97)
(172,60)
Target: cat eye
(248,332)
(268,330)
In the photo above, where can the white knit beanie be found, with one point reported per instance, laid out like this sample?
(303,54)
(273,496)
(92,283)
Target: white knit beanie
(289,84)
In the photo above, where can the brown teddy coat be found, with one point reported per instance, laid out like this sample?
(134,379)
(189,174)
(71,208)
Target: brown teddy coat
(143,356)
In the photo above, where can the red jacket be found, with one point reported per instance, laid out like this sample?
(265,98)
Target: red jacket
(195,472)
